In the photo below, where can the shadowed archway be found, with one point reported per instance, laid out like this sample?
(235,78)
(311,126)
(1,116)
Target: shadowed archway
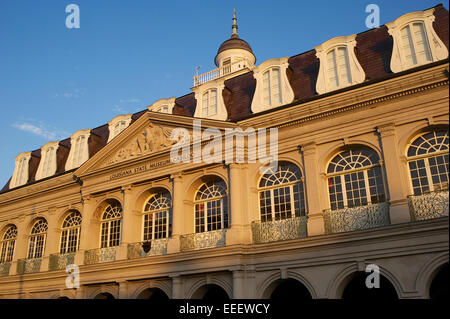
(289,290)
(356,288)
(439,285)
(104,295)
(153,294)
(211,293)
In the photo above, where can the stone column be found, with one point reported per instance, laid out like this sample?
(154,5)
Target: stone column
(239,284)
(52,238)
(396,183)
(237,207)
(89,229)
(177,288)
(130,224)
(313,191)
(123,289)
(178,214)
(21,245)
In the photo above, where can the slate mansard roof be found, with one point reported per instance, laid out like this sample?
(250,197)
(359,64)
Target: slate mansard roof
(373,51)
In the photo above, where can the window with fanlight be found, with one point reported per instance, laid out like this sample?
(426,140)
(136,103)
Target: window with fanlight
(70,233)
(157,217)
(8,244)
(37,240)
(428,160)
(281,194)
(211,207)
(355,179)
(111,225)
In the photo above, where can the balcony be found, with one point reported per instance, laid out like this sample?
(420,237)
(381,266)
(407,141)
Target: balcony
(285,229)
(356,218)
(60,261)
(99,255)
(210,239)
(28,266)
(158,247)
(4,269)
(429,206)
(220,72)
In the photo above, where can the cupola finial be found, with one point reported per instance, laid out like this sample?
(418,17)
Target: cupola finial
(235,26)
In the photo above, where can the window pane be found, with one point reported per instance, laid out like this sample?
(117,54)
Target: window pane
(421,42)
(408,47)
(266,88)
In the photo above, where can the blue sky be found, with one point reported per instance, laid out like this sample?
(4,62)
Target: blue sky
(128,54)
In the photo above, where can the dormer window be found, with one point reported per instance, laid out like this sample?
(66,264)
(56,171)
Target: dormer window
(79,150)
(209,103)
(415,41)
(339,66)
(272,85)
(117,125)
(20,176)
(47,165)
(163,106)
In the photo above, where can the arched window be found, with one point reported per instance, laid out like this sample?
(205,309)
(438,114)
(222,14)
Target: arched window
(157,213)
(281,194)
(272,87)
(209,103)
(111,226)
(211,207)
(37,239)
(7,244)
(70,235)
(414,44)
(428,162)
(355,179)
(338,68)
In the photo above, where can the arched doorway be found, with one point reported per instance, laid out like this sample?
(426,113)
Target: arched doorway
(104,295)
(153,294)
(211,293)
(356,288)
(288,290)
(439,285)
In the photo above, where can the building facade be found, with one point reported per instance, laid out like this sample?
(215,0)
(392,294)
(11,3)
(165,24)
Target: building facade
(361,179)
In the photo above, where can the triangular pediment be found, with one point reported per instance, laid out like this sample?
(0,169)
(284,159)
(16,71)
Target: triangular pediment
(146,137)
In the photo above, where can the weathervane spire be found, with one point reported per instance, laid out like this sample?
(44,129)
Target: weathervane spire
(235,26)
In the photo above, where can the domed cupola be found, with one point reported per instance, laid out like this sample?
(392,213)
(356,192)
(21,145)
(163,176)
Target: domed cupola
(234,50)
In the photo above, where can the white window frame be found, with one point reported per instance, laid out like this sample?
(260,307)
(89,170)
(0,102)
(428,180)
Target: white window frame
(47,165)
(287,94)
(83,154)
(108,222)
(20,176)
(205,210)
(357,73)
(68,229)
(438,50)
(5,245)
(44,239)
(426,158)
(160,104)
(200,90)
(152,213)
(123,121)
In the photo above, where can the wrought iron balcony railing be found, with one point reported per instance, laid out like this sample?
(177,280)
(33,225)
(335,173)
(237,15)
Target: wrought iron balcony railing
(60,261)
(356,218)
(210,239)
(285,229)
(136,250)
(28,266)
(429,206)
(4,269)
(99,255)
(219,72)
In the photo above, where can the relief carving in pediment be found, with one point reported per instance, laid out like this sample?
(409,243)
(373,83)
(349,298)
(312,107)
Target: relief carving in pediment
(151,139)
